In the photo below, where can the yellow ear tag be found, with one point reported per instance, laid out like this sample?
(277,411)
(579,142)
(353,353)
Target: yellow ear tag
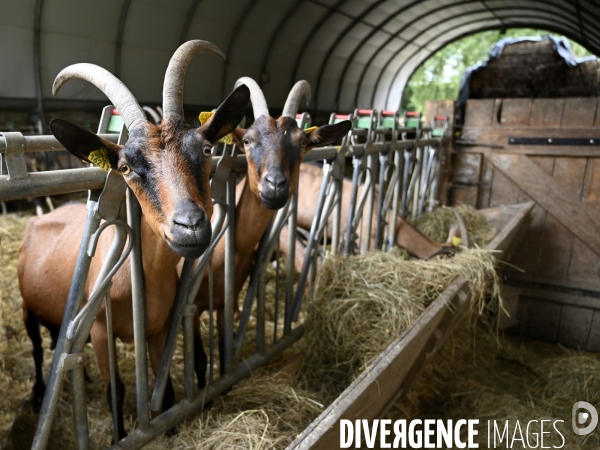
(311,129)
(456,241)
(100,158)
(204,116)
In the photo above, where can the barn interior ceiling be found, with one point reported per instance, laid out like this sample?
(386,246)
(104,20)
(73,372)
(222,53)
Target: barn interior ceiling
(352,52)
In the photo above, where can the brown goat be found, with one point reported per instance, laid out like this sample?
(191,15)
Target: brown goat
(274,149)
(407,236)
(167,167)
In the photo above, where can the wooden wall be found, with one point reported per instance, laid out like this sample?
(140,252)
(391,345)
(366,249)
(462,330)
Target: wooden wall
(559,258)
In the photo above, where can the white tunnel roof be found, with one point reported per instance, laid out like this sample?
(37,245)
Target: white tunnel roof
(354,53)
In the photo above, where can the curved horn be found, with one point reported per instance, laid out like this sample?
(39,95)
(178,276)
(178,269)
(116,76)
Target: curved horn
(111,86)
(259,104)
(293,100)
(175,75)
(155,117)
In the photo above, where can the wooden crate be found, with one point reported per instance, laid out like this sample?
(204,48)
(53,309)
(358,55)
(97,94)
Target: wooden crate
(395,371)
(560,255)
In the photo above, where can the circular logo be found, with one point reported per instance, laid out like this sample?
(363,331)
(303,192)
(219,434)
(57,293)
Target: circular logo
(579,418)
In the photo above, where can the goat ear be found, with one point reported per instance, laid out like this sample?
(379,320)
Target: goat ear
(86,145)
(238,138)
(228,116)
(328,134)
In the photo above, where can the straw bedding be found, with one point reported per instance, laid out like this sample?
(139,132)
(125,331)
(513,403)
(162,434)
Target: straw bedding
(361,305)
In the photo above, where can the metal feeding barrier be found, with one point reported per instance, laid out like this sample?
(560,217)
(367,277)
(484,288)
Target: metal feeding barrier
(393,173)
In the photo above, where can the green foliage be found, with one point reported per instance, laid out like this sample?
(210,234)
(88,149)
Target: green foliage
(438,78)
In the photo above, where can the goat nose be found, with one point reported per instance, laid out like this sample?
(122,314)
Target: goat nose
(277,180)
(189,215)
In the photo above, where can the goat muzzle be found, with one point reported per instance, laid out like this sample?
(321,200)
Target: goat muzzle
(190,230)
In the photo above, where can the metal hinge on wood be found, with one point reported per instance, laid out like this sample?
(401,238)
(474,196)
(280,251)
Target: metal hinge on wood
(553,141)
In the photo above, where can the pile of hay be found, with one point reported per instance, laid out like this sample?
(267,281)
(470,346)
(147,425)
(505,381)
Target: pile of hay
(476,375)
(436,225)
(363,303)
(262,412)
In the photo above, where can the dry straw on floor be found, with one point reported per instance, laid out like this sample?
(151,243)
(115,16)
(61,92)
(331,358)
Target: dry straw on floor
(268,411)
(477,376)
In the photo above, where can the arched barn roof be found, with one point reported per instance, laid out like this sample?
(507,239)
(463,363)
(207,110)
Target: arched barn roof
(352,52)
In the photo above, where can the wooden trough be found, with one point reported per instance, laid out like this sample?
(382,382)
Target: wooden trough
(395,371)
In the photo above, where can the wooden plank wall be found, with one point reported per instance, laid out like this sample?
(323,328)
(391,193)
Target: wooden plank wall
(560,277)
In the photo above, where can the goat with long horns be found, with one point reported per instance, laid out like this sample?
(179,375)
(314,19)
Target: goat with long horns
(274,149)
(167,167)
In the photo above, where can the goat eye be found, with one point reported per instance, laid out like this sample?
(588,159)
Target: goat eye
(125,169)
(207,151)
(303,142)
(246,141)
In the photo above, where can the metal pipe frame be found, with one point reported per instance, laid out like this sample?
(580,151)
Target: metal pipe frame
(109,205)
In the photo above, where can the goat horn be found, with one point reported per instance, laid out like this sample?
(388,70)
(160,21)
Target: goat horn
(175,75)
(155,117)
(259,104)
(111,86)
(292,103)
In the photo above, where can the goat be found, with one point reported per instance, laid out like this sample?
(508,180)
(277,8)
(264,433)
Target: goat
(274,149)
(407,237)
(167,167)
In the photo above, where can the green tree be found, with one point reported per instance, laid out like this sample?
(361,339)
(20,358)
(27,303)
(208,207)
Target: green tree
(438,78)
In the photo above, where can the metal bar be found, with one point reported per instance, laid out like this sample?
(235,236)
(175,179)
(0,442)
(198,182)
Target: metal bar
(290,264)
(80,421)
(229,292)
(405,182)
(47,143)
(276,309)
(112,369)
(260,308)
(188,350)
(40,184)
(311,241)
(76,291)
(383,158)
(349,239)
(120,32)
(186,296)
(37,60)
(185,28)
(162,375)
(553,141)
(211,323)
(340,35)
(232,41)
(313,32)
(134,213)
(177,413)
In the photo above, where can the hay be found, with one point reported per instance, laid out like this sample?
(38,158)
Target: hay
(437,224)
(475,375)
(363,303)
(262,412)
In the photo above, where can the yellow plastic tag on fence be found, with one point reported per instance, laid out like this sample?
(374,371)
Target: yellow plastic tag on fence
(456,241)
(311,129)
(204,116)
(100,158)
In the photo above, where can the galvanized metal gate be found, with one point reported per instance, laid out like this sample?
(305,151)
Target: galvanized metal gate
(398,163)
